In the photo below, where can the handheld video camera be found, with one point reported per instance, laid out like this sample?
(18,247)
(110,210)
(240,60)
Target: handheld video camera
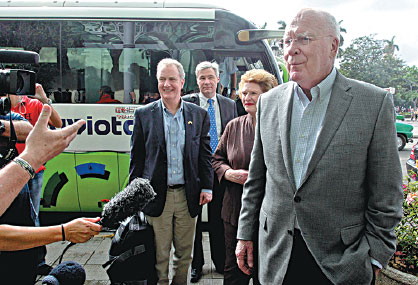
(16,81)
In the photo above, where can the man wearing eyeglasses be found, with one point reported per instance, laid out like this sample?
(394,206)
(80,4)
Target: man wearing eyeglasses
(325,180)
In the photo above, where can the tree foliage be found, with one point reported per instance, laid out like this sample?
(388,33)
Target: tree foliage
(366,59)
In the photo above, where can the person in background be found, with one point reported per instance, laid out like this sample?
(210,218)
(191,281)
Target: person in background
(133,97)
(19,210)
(170,147)
(221,110)
(153,97)
(230,163)
(30,109)
(326,200)
(107,96)
(228,77)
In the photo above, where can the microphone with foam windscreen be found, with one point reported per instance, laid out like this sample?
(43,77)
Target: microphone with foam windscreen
(124,204)
(66,273)
(18,56)
(127,202)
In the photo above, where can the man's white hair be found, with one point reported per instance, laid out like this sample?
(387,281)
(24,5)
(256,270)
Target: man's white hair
(169,61)
(205,65)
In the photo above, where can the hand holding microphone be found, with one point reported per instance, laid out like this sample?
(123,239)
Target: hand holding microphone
(81,230)
(124,204)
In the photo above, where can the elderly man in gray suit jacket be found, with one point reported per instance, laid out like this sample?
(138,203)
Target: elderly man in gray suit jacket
(324,185)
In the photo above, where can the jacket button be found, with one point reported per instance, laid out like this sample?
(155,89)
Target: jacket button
(297,199)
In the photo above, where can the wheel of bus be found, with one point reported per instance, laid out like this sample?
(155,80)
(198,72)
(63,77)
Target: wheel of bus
(400,141)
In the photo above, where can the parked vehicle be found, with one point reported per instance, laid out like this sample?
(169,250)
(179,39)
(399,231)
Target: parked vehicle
(411,163)
(404,134)
(86,44)
(400,117)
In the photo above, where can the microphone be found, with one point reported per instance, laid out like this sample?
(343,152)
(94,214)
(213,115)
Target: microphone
(124,204)
(18,56)
(127,202)
(66,273)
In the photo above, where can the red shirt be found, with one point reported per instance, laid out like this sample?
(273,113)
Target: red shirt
(30,109)
(106,99)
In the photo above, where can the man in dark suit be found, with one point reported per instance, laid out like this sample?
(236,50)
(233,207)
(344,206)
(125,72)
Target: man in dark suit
(222,110)
(170,147)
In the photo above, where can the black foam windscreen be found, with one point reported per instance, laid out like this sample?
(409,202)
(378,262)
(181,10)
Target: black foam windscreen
(127,202)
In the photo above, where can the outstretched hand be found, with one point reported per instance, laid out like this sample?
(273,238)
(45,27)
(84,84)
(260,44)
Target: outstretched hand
(43,144)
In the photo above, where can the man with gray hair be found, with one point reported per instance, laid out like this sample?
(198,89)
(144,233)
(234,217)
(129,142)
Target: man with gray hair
(324,189)
(221,110)
(170,147)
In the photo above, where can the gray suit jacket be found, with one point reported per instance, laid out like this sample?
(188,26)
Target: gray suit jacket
(350,199)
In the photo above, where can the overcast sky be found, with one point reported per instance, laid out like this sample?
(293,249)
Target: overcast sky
(385,18)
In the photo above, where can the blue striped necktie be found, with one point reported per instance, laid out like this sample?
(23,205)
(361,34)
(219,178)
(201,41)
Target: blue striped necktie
(213,133)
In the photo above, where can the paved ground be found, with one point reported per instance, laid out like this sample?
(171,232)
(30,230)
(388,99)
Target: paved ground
(92,254)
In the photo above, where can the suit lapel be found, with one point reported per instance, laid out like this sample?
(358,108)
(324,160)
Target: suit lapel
(337,108)
(218,97)
(158,124)
(284,119)
(188,126)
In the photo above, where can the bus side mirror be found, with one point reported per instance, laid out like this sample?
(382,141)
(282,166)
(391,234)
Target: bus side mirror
(252,35)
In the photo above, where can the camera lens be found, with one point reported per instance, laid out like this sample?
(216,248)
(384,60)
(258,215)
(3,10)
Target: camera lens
(20,83)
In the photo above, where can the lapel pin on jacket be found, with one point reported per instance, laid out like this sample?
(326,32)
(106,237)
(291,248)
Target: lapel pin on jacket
(190,122)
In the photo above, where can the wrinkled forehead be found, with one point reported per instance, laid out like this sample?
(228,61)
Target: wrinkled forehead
(169,70)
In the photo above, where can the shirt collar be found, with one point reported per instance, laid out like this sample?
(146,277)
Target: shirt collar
(322,90)
(166,111)
(205,99)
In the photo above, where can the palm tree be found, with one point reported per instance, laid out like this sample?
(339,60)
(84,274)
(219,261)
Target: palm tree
(282,25)
(390,47)
(342,30)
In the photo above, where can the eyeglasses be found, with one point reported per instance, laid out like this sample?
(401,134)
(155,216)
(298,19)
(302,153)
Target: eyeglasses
(301,40)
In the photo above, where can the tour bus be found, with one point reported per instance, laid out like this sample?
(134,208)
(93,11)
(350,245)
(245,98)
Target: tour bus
(84,45)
